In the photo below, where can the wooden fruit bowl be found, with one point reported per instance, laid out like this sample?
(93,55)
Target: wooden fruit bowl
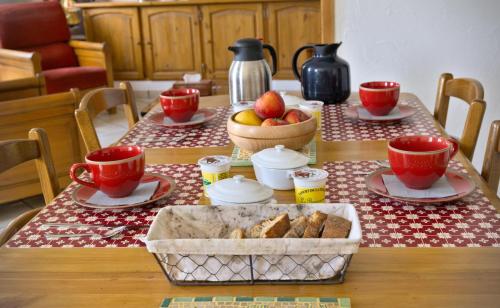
(256,138)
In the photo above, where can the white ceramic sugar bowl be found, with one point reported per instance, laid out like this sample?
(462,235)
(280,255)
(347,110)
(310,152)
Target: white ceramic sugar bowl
(238,190)
(272,166)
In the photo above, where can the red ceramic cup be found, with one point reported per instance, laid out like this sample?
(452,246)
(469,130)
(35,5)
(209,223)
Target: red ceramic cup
(116,171)
(379,97)
(180,104)
(419,161)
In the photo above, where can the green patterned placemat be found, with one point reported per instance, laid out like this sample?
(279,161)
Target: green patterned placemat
(256,302)
(241,158)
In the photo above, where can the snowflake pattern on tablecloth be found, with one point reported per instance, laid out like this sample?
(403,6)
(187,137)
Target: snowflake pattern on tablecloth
(150,135)
(64,210)
(469,222)
(337,126)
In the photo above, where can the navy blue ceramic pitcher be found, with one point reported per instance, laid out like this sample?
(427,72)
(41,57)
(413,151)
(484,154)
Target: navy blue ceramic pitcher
(325,76)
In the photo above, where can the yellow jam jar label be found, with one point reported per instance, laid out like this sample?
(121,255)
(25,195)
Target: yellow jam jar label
(309,194)
(210,178)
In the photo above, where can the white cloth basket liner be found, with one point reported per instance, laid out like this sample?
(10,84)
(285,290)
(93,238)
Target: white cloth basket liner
(203,230)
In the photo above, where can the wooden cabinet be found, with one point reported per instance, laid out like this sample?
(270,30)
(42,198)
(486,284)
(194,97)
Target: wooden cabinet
(291,25)
(222,26)
(172,41)
(120,29)
(163,40)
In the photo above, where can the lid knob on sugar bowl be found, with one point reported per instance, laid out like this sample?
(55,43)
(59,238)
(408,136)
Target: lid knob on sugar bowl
(279,147)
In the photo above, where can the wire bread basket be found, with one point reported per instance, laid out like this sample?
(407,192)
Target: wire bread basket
(191,246)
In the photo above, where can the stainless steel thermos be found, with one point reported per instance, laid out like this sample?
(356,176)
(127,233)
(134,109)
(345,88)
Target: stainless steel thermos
(249,74)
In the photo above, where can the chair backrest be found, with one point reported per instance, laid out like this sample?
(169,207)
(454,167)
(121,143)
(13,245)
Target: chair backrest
(56,114)
(22,88)
(99,100)
(491,163)
(17,151)
(40,27)
(470,91)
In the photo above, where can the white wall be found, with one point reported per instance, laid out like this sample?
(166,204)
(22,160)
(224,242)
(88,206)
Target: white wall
(414,41)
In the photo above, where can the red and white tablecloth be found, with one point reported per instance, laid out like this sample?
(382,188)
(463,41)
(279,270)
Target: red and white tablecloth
(337,126)
(64,210)
(150,135)
(470,222)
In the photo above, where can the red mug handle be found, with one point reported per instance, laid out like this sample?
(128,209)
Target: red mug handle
(454,146)
(74,177)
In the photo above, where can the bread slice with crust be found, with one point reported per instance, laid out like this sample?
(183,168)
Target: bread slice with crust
(256,230)
(315,224)
(336,227)
(277,227)
(297,227)
(237,233)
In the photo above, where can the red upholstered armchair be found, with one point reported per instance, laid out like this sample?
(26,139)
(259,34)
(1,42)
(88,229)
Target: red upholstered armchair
(35,42)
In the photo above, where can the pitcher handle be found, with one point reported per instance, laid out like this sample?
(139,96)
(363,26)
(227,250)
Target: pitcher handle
(74,176)
(454,146)
(295,58)
(273,56)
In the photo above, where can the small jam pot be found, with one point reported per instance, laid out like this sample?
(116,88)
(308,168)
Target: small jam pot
(213,169)
(309,185)
(314,109)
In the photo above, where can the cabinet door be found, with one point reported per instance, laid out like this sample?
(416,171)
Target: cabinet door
(172,41)
(120,29)
(222,26)
(289,26)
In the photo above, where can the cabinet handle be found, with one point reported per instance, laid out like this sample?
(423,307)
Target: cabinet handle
(203,68)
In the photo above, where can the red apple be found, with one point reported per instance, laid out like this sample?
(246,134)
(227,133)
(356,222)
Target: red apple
(273,122)
(270,105)
(295,116)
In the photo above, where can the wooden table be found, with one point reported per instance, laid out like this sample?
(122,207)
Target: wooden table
(130,277)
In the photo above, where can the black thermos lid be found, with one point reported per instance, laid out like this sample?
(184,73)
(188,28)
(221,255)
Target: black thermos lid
(247,49)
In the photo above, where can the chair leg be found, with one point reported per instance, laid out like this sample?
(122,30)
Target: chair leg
(112,110)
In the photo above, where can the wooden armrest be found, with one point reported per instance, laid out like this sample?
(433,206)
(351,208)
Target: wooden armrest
(19,64)
(16,84)
(94,54)
(87,45)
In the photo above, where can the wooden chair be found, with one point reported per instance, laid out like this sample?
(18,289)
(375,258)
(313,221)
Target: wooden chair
(16,152)
(45,48)
(98,100)
(491,163)
(22,88)
(56,114)
(470,91)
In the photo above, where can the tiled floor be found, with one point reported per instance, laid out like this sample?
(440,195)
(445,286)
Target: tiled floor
(109,129)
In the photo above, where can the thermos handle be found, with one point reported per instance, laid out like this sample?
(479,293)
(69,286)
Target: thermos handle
(295,58)
(273,55)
